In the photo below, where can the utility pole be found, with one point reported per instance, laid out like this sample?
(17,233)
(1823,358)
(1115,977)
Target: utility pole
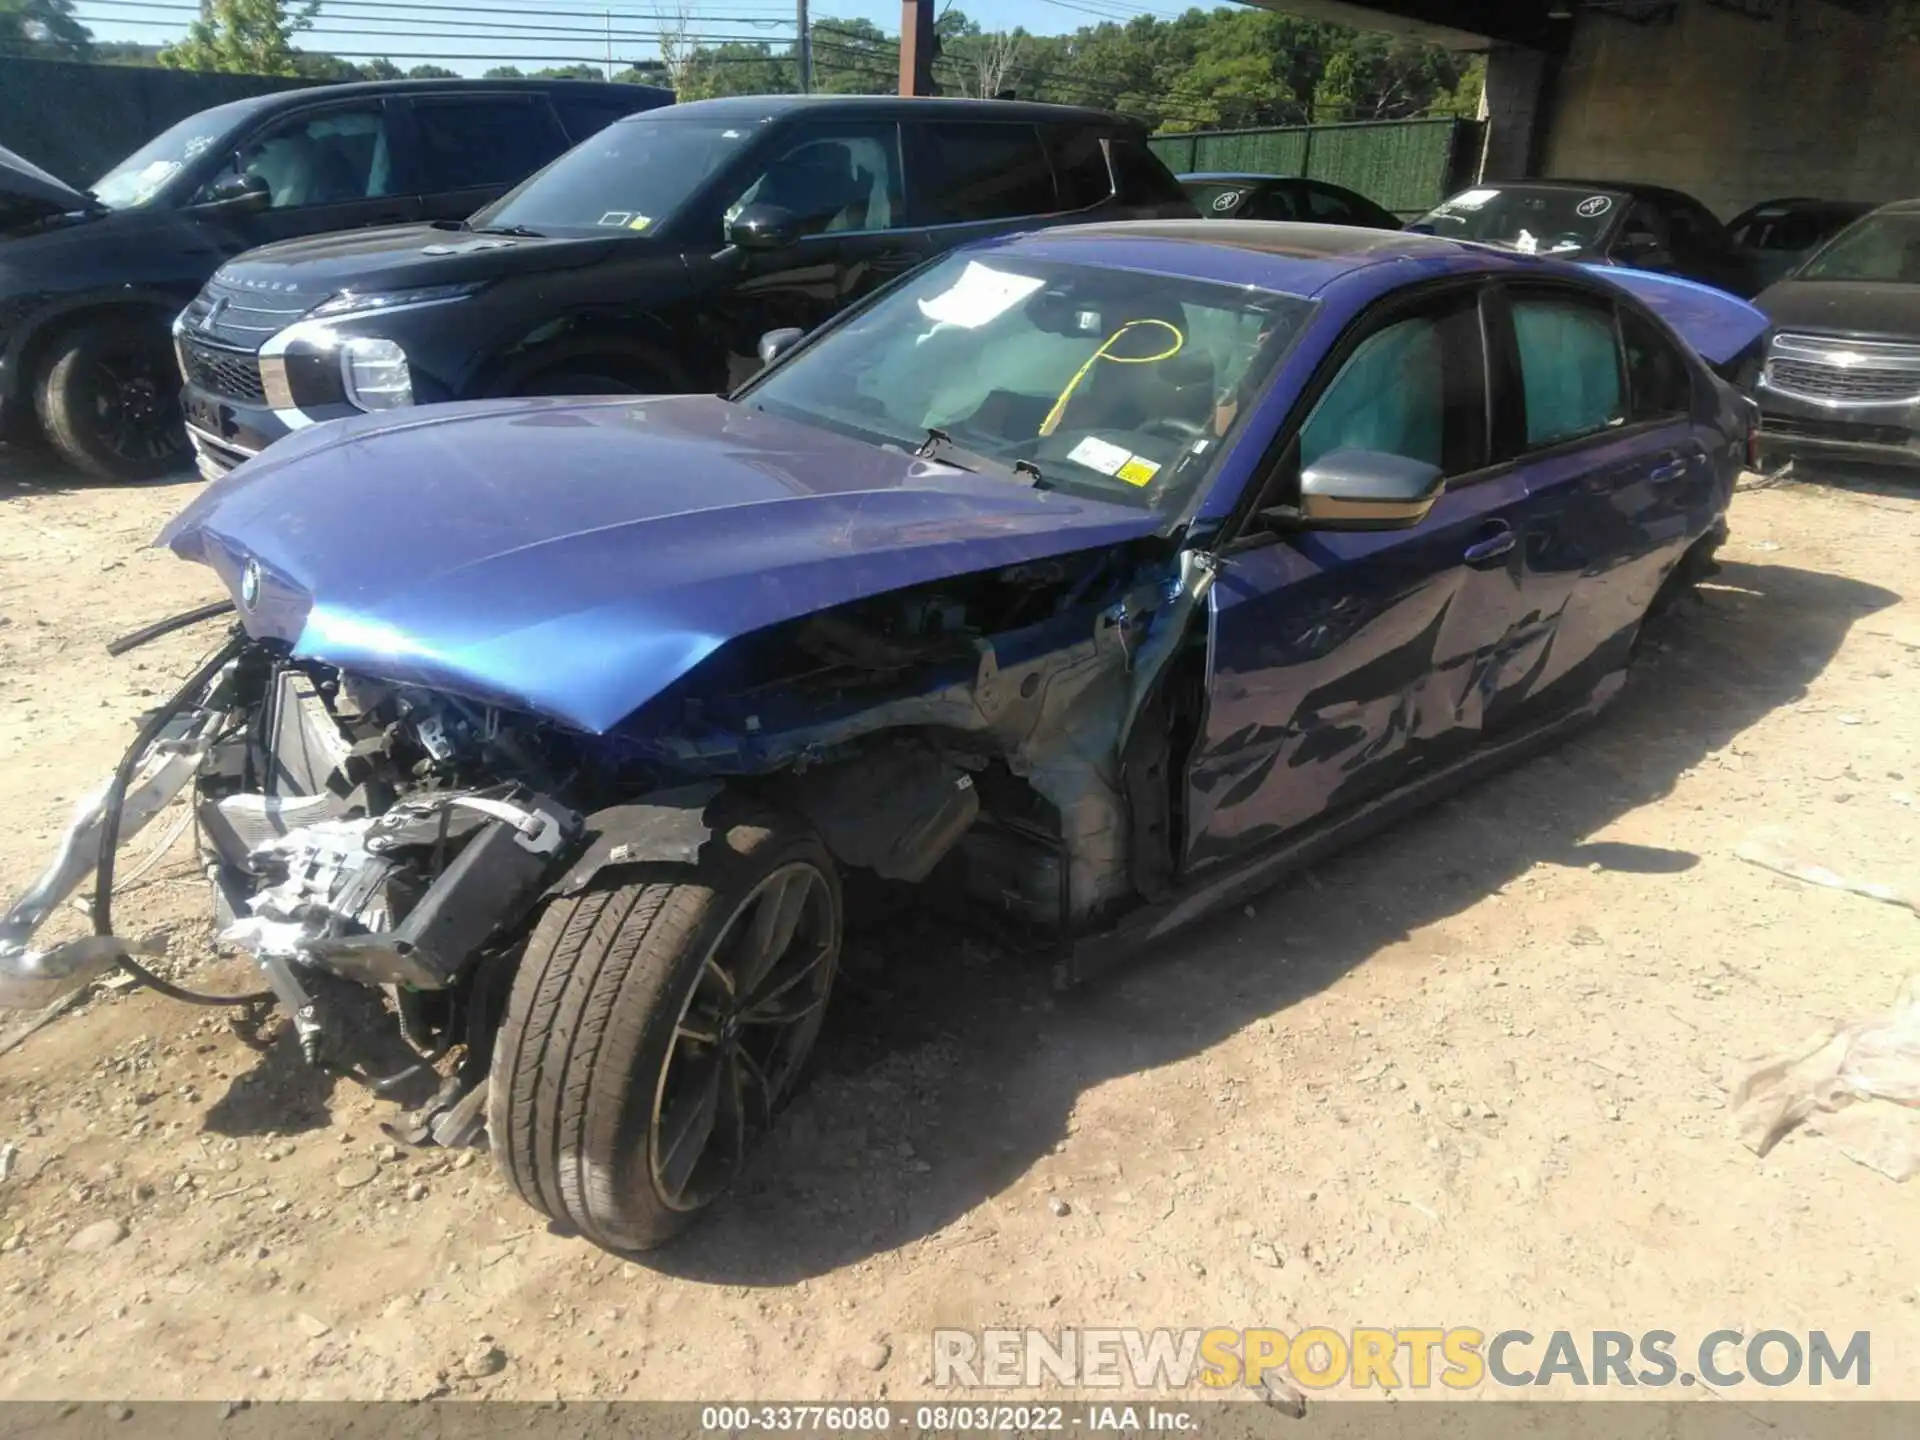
(609,44)
(805,51)
(916,47)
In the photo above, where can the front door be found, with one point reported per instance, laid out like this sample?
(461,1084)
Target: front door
(329,167)
(1345,663)
(842,181)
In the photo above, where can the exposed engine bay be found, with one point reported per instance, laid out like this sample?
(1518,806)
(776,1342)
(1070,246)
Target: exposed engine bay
(404,840)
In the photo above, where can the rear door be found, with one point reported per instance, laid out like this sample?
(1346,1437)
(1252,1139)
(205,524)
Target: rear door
(972,179)
(473,148)
(1344,664)
(844,181)
(1594,406)
(338,166)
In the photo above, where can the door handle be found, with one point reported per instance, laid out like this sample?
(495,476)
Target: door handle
(1497,543)
(1670,470)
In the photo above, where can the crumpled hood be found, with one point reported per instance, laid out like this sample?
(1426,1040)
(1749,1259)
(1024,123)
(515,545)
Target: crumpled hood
(29,193)
(1720,327)
(573,557)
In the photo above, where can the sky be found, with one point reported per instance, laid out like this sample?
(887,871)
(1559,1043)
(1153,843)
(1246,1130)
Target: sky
(471,35)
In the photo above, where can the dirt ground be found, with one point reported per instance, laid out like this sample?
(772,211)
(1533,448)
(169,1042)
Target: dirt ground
(1472,1074)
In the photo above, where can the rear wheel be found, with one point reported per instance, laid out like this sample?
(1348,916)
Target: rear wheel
(655,1027)
(109,400)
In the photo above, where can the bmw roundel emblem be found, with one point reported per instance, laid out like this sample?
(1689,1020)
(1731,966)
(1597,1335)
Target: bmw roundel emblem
(250,585)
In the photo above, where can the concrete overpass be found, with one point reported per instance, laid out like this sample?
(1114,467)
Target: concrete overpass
(1734,101)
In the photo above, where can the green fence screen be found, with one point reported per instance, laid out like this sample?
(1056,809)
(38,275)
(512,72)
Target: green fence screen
(1409,166)
(80,120)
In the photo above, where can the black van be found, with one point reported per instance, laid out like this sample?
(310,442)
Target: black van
(90,282)
(650,259)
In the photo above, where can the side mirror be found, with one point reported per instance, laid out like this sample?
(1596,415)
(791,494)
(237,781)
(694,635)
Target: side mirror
(239,194)
(1365,490)
(776,343)
(764,227)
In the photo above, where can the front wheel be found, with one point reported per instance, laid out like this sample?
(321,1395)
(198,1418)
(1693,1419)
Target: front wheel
(109,400)
(655,1027)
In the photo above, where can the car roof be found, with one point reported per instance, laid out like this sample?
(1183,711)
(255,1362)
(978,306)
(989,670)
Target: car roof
(749,109)
(252,105)
(1902,207)
(1289,257)
(1242,177)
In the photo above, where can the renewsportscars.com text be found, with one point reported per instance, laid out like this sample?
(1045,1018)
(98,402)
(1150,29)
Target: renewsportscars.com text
(1421,1357)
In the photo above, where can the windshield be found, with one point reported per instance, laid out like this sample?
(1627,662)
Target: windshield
(1885,248)
(139,177)
(1534,220)
(1107,382)
(631,176)
(1219,197)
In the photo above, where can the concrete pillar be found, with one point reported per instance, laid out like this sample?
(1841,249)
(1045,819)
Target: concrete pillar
(1511,106)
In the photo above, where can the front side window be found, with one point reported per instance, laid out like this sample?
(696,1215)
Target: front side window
(1883,248)
(1412,388)
(327,158)
(466,144)
(1329,207)
(1110,382)
(1569,367)
(831,178)
(983,172)
(636,175)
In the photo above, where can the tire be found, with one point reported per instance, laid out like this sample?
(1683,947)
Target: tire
(108,399)
(614,1026)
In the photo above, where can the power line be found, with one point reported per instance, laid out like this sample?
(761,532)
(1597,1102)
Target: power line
(387,10)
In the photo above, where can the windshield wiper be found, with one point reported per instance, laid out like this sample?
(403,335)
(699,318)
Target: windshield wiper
(961,458)
(521,231)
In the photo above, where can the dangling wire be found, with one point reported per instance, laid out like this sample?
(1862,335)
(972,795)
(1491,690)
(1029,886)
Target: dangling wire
(1105,352)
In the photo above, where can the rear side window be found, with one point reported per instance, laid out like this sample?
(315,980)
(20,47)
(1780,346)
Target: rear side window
(983,172)
(466,144)
(1079,167)
(1658,383)
(588,115)
(1569,367)
(1141,177)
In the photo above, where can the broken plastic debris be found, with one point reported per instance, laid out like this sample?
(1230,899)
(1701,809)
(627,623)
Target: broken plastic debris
(1858,1085)
(1759,852)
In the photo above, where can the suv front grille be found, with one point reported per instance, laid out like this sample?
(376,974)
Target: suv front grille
(246,318)
(230,373)
(1836,372)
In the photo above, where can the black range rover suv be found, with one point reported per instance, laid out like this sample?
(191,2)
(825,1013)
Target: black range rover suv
(650,259)
(89,282)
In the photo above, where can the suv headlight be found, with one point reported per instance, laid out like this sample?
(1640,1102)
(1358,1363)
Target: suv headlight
(374,372)
(348,302)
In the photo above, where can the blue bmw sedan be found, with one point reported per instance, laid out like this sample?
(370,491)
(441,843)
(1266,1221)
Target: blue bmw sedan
(1098,576)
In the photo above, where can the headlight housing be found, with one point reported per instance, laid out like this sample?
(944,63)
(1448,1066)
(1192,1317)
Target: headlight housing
(374,373)
(349,302)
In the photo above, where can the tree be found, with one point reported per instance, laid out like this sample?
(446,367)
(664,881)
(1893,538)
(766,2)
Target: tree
(505,72)
(568,72)
(432,72)
(644,72)
(43,27)
(382,69)
(243,37)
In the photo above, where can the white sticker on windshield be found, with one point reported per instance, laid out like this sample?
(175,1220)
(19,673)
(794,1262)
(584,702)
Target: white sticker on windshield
(980,294)
(1470,199)
(616,217)
(1594,205)
(1098,454)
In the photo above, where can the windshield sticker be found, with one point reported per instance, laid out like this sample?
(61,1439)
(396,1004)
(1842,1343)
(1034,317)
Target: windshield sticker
(980,294)
(1227,199)
(1594,205)
(198,146)
(1137,471)
(616,217)
(1098,454)
(639,222)
(1469,199)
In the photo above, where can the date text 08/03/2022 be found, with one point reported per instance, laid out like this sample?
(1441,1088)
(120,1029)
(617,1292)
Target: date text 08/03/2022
(949,1419)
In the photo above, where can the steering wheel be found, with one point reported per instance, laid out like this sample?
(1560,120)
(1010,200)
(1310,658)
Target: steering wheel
(1174,427)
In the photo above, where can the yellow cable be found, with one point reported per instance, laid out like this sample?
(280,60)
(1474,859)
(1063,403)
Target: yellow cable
(1059,410)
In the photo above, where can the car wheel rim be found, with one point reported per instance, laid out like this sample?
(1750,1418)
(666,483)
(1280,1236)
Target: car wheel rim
(742,1034)
(133,407)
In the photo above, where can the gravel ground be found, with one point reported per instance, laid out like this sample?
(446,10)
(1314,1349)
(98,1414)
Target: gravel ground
(1472,1074)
